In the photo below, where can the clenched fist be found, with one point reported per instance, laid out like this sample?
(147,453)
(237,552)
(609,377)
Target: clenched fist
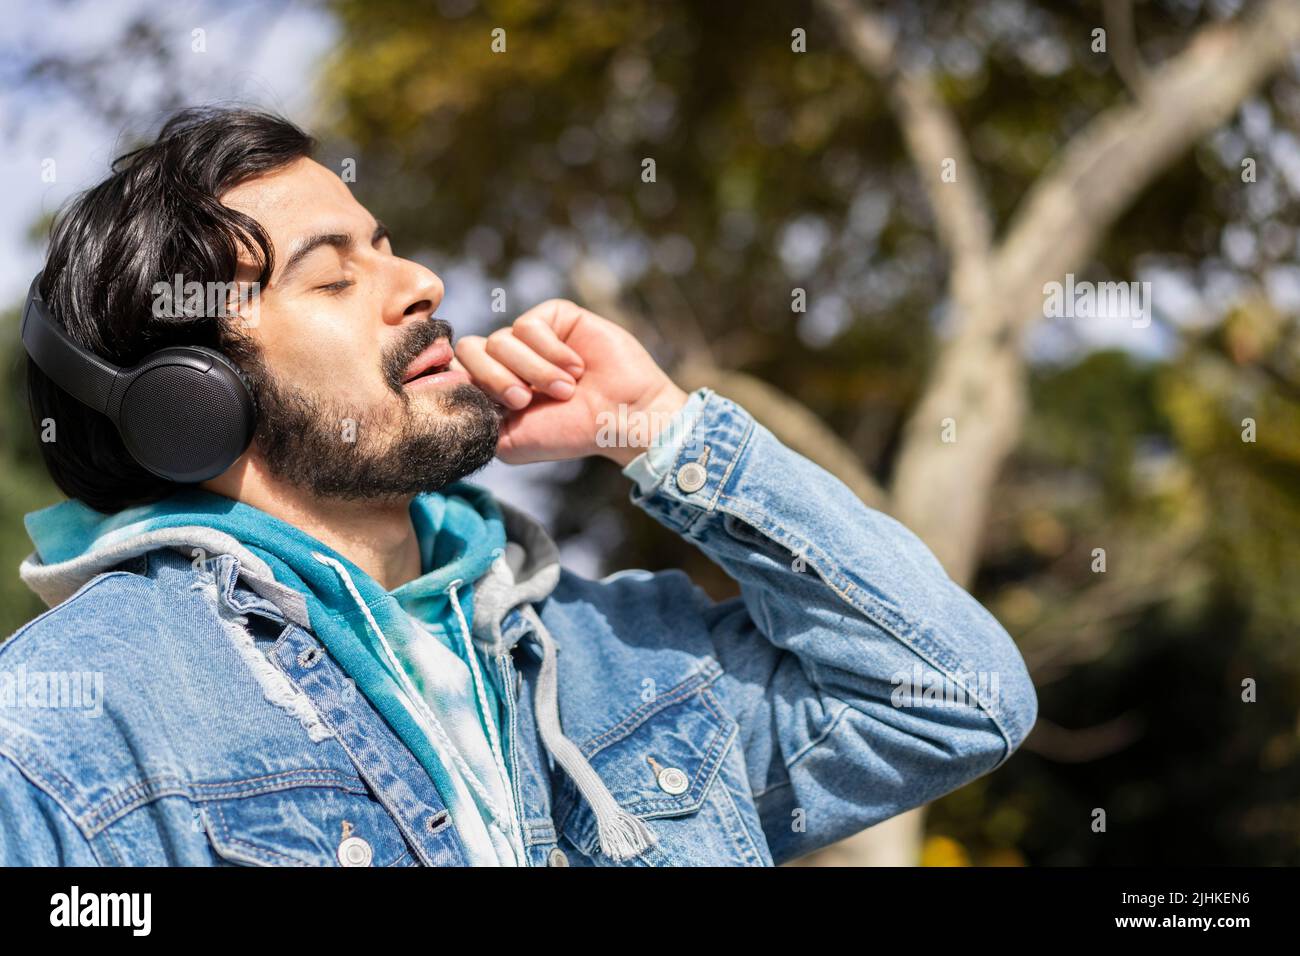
(565,374)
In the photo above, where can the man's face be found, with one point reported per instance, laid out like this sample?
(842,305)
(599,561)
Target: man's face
(340,329)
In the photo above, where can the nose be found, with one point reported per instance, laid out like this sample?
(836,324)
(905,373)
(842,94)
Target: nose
(418,293)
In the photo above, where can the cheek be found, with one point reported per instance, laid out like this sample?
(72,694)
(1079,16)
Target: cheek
(325,353)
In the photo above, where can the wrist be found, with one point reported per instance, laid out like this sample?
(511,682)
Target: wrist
(628,433)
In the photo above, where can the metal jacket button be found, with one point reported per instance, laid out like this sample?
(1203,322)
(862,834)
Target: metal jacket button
(355,851)
(671,780)
(691,477)
(557,857)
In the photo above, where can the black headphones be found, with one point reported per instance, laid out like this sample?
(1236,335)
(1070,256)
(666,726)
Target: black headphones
(185,413)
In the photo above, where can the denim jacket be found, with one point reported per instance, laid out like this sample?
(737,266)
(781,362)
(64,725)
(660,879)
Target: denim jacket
(851,680)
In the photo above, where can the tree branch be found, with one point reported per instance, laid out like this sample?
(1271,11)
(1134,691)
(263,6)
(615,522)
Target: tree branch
(941,490)
(931,133)
(1058,744)
(1109,162)
(1123,45)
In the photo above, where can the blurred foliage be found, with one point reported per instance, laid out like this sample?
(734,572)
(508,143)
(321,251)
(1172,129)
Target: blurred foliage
(1201,596)
(777,170)
(24,484)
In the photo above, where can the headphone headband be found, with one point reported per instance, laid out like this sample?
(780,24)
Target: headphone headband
(81,373)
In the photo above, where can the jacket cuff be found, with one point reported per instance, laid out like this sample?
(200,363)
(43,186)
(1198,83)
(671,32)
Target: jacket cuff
(648,468)
(707,455)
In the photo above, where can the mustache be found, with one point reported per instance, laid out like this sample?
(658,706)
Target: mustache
(418,338)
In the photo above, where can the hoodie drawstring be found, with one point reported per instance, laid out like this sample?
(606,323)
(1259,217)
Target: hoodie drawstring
(622,835)
(494,740)
(439,734)
(476,674)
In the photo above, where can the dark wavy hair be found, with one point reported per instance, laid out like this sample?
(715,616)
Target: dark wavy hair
(157,215)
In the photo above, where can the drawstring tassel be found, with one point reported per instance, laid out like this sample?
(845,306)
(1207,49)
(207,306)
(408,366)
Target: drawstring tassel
(622,835)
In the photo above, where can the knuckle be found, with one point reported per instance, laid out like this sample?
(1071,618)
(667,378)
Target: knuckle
(529,323)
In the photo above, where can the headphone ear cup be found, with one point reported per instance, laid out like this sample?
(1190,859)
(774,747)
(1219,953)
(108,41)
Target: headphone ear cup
(187,413)
(243,379)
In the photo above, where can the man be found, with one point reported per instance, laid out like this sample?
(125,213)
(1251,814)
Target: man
(336,651)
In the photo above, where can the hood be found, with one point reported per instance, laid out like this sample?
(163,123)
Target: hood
(74,543)
(528,571)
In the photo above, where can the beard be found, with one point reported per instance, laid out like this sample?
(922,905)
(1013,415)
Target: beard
(315,442)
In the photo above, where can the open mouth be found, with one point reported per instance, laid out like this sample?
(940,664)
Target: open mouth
(431,370)
(434,360)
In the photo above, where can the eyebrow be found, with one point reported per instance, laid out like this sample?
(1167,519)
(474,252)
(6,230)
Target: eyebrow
(342,241)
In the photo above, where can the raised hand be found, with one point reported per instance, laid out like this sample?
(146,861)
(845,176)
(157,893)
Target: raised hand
(564,374)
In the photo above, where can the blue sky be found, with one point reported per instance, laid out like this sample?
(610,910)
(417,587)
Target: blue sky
(270,66)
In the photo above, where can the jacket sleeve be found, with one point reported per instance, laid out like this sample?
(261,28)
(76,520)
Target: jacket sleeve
(34,829)
(866,682)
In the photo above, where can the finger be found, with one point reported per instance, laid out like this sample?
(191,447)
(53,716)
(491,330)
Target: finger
(541,337)
(523,361)
(559,314)
(490,375)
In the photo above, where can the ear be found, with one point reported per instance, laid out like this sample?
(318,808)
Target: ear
(245,311)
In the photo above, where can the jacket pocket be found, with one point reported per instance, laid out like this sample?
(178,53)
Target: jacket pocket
(662,764)
(330,821)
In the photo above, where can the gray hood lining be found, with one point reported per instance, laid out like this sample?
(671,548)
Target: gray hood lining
(527,572)
(55,583)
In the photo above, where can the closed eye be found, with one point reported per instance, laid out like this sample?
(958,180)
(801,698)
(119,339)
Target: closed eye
(379,236)
(334,288)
